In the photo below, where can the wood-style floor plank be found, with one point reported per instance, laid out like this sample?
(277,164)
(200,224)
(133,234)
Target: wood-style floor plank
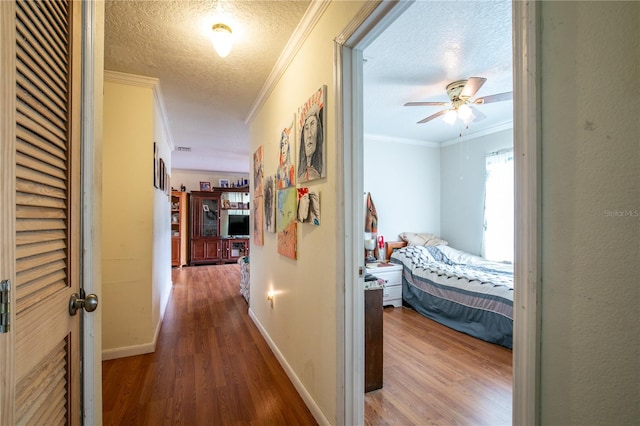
(436,375)
(211,365)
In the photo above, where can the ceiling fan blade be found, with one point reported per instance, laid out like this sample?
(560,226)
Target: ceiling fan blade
(477,114)
(499,97)
(426,103)
(473,85)
(432,116)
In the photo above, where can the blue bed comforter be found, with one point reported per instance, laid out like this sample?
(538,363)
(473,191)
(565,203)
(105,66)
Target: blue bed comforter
(459,290)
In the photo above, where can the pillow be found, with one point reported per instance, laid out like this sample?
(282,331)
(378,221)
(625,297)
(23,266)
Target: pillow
(417,239)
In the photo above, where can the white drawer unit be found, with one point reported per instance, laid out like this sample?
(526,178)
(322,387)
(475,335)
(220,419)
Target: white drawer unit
(392,275)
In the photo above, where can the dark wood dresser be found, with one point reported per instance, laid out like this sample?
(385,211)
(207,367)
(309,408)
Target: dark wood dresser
(373,349)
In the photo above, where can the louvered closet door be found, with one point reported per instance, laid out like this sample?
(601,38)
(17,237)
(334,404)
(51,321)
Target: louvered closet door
(46,104)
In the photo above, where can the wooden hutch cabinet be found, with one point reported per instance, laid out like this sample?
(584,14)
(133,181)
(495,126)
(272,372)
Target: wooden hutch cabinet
(219,226)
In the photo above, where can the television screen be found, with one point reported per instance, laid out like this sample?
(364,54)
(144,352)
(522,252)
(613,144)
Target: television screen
(238,224)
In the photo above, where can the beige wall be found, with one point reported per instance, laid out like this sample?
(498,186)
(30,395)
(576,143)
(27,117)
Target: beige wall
(590,347)
(302,320)
(136,265)
(590,118)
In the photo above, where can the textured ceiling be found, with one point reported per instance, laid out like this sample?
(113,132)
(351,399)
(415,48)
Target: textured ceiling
(208,98)
(430,45)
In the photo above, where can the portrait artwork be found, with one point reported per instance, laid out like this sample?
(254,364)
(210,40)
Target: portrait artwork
(258,172)
(270,204)
(286,175)
(286,222)
(258,229)
(308,206)
(312,149)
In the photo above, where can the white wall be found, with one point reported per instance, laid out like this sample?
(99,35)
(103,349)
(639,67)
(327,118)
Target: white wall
(302,321)
(136,243)
(404,181)
(462,191)
(590,335)
(161,240)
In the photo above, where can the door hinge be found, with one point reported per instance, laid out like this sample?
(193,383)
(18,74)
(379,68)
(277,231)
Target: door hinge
(5,316)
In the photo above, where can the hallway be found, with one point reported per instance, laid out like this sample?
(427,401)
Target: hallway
(211,365)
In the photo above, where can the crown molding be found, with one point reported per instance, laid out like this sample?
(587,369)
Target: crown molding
(130,79)
(431,144)
(149,83)
(300,34)
(478,134)
(406,141)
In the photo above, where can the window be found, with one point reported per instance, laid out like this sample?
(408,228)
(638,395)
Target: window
(497,241)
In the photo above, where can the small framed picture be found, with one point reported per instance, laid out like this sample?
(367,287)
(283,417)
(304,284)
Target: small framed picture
(205,186)
(223,183)
(233,205)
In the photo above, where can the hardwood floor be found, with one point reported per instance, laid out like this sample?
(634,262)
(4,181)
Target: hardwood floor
(436,375)
(212,367)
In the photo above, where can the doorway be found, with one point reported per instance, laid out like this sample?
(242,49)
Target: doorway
(350,95)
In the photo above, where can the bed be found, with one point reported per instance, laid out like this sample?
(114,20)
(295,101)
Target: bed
(464,292)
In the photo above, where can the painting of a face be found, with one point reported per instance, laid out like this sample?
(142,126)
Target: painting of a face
(310,135)
(303,207)
(286,221)
(284,149)
(310,142)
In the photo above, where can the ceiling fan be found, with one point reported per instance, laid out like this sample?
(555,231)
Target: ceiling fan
(461,105)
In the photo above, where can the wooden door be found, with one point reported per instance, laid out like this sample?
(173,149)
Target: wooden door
(40,83)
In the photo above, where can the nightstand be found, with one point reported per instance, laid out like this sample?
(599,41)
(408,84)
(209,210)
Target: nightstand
(392,293)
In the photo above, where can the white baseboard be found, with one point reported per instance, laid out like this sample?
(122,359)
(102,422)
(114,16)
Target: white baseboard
(145,348)
(304,394)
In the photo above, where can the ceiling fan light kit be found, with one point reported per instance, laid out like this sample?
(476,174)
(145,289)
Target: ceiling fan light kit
(460,105)
(450,116)
(222,39)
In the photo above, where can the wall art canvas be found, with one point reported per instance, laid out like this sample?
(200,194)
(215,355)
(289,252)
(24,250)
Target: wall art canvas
(258,172)
(156,167)
(162,174)
(270,203)
(312,148)
(286,170)
(258,226)
(308,206)
(286,222)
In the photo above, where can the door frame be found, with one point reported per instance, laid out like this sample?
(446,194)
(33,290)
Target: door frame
(349,97)
(91,178)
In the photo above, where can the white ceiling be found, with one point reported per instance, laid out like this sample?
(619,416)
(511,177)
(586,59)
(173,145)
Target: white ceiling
(432,44)
(208,99)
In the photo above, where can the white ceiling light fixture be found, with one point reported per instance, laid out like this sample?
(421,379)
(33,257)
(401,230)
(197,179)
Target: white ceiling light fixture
(465,113)
(450,116)
(222,39)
